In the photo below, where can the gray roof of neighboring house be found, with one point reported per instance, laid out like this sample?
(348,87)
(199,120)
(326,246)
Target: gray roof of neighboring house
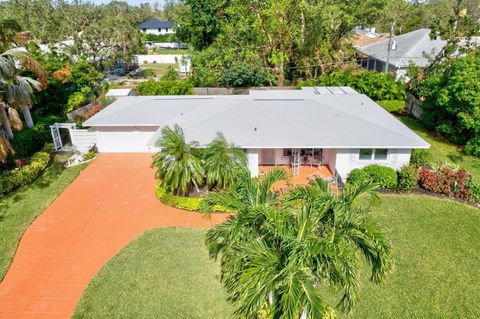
(410,47)
(268,119)
(156,24)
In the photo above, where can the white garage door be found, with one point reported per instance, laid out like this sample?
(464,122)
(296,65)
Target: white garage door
(124,139)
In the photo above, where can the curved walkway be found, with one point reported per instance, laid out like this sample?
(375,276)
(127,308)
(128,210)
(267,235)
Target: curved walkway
(107,206)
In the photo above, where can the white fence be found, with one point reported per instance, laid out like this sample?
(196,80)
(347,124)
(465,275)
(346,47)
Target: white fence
(414,106)
(83,139)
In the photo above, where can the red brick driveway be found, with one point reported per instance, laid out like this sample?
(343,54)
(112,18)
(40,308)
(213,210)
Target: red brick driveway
(107,206)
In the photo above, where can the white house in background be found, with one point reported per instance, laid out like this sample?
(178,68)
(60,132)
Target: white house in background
(121,92)
(413,47)
(332,128)
(157,27)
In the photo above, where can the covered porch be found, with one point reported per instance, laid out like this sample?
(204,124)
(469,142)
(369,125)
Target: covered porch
(302,164)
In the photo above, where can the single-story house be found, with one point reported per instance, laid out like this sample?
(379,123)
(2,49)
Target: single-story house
(157,27)
(413,47)
(334,127)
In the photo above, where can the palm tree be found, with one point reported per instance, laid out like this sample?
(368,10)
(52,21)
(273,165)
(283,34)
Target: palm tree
(221,161)
(16,90)
(284,252)
(178,163)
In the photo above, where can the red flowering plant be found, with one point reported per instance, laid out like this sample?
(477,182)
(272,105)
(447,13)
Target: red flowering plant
(446,180)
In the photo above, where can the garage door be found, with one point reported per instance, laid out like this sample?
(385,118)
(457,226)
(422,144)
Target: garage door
(133,139)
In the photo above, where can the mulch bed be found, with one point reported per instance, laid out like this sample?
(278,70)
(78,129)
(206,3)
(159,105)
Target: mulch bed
(424,192)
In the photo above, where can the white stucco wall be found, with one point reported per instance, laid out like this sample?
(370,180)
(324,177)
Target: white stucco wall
(329,157)
(252,157)
(158,58)
(158,31)
(124,139)
(348,159)
(273,157)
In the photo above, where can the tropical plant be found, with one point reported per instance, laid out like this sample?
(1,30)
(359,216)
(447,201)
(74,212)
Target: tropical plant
(246,193)
(15,89)
(283,253)
(221,161)
(178,164)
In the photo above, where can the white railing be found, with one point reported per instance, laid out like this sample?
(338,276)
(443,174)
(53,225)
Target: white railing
(83,139)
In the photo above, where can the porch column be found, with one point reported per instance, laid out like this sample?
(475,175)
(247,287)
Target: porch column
(252,157)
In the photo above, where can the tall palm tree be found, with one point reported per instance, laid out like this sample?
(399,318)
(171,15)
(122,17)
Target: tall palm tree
(178,163)
(16,90)
(221,161)
(284,252)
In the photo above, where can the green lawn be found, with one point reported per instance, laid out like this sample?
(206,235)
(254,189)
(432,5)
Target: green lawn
(19,209)
(437,258)
(158,68)
(166,273)
(442,150)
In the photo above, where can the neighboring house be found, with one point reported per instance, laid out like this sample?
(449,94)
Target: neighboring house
(414,47)
(121,92)
(362,37)
(157,27)
(332,127)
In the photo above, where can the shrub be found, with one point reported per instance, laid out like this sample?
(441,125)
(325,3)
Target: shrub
(243,75)
(377,85)
(171,74)
(149,73)
(407,178)
(160,37)
(11,180)
(181,202)
(475,189)
(392,106)
(384,176)
(165,87)
(447,181)
(420,157)
(28,141)
(473,146)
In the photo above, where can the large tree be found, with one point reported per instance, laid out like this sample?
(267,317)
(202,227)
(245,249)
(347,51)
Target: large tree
(279,257)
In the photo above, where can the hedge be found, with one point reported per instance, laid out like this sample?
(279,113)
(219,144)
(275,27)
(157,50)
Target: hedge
(13,179)
(191,204)
(384,176)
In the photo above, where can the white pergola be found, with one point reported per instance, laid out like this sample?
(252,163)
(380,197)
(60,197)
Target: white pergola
(55,130)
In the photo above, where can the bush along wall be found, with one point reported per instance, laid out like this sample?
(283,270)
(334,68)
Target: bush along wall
(385,177)
(13,179)
(191,204)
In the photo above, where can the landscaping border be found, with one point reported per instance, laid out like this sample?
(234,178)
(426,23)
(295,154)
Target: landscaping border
(191,204)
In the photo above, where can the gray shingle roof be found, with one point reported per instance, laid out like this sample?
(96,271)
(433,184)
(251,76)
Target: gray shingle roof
(156,24)
(410,47)
(267,119)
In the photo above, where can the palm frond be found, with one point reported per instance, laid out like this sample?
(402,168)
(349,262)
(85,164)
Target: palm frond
(15,120)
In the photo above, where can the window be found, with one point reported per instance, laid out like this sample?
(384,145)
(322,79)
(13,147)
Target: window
(381,154)
(166,29)
(287,152)
(366,154)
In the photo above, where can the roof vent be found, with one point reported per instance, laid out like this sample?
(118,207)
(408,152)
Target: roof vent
(255,129)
